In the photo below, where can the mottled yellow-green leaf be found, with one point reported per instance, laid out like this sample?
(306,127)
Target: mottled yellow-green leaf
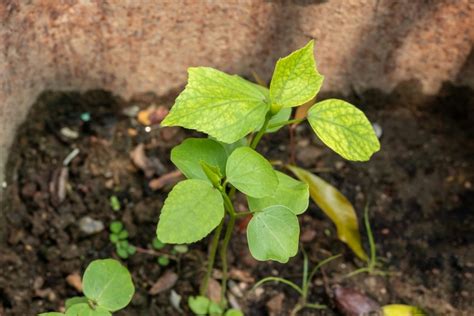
(344,128)
(224,106)
(402,310)
(295,79)
(191,211)
(336,207)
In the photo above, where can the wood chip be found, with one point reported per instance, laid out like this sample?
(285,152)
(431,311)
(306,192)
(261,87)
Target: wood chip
(166,179)
(275,304)
(214,290)
(74,280)
(164,283)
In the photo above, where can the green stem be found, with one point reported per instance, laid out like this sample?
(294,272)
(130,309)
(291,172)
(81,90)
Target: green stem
(241,214)
(212,258)
(274,125)
(370,235)
(261,132)
(224,248)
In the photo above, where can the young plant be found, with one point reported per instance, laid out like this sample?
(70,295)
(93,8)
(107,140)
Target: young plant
(119,237)
(235,114)
(302,290)
(201,305)
(107,286)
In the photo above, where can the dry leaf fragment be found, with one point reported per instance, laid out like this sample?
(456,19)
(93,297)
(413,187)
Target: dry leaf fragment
(166,179)
(164,283)
(74,280)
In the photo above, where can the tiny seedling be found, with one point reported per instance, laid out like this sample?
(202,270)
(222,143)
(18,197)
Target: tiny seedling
(302,290)
(236,114)
(114,203)
(119,237)
(201,305)
(107,286)
(373,263)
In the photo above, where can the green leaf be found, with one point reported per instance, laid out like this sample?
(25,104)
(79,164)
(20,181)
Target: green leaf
(114,203)
(51,314)
(188,155)
(75,300)
(199,304)
(158,244)
(215,309)
(336,207)
(251,173)
(225,107)
(212,173)
(163,261)
(229,148)
(233,312)
(295,79)
(402,310)
(116,226)
(344,128)
(191,211)
(83,309)
(291,193)
(273,234)
(108,284)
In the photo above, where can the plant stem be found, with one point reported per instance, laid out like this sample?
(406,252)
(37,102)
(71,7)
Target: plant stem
(241,214)
(286,123)
(224,248)
(261,132)
(370,235)
(212,258)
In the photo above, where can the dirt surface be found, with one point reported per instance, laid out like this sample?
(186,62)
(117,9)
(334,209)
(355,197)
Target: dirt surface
(420,187)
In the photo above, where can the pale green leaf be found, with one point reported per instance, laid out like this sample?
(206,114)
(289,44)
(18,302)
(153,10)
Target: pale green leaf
(188,155)
(402,310)
(296,79)
(75,300)
(51,314)
(83,309)
(251,173)
(344,128)
(225,107)
(233,312)
(109,284)
(215,309)
(199,304)
(336,207)
(191,211)
(273,234)
(291,193)
(278,119)
(229,148)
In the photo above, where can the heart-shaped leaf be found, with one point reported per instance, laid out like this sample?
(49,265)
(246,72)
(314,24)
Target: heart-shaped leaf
(188,155)
(295,79)
(108,284)
(251,173)
(336,207)
(291,193)
(191,211)
(83,309)
(344,128)
(225,107)
(273,234)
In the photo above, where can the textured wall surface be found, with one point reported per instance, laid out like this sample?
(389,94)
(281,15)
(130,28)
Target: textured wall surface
(137,46)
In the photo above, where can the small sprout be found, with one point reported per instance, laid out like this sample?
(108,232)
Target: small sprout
(116,226)
(158,244)
(114,238)
(114,203)
(131,250)
(122,252)
(123,234)
(108,287)
(180,248)
(163,261)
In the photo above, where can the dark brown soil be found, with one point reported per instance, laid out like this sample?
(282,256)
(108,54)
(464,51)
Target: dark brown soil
(420,187)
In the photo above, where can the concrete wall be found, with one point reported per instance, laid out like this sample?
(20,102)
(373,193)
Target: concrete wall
(134,46)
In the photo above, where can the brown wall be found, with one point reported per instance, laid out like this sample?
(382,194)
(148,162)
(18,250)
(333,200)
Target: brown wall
(136,46)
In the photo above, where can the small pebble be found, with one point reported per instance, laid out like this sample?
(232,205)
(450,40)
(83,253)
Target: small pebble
(377,129)
(69,133)
(131,111)
(90,226)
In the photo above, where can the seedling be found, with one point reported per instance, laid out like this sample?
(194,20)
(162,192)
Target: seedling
(119,237)
(236,114)
(201,305)
(108,287)
(302,290)
(114,203)
(372,262)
